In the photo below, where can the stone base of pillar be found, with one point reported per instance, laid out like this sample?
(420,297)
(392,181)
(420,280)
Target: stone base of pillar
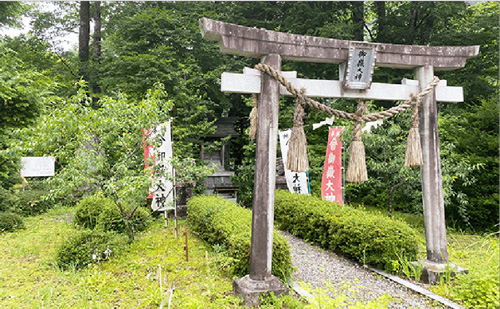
(250,290)
(433,271)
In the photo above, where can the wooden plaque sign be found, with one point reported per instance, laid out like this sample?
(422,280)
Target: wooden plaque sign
(360,66)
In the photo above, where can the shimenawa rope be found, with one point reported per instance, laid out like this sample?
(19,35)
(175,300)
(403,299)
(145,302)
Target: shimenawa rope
(356,172)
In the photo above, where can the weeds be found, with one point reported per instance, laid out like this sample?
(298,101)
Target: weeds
(153,273)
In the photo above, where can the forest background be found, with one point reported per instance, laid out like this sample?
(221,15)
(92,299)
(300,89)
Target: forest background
(126,48)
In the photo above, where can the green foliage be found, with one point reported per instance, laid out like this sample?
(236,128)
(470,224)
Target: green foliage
(390,185)
(10,222)
(111,219)
(477,291)
(226,224)
(160,42)
(22,94)
(31,202)
(21,90)
(269,300)
(244,175)
(474,135)
(88,247)
(100,149)
(479,254)
(11,12)
(101,213)
(343,297)
(368,238)
(8,200)
(88,210)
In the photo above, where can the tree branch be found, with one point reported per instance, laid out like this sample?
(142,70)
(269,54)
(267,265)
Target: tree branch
(369,32)
(66,65)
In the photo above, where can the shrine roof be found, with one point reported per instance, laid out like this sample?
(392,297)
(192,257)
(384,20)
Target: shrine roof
(255,42)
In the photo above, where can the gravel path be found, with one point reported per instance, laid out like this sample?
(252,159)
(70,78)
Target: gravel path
(316,267)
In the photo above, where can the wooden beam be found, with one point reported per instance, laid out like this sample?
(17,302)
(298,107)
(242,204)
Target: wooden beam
(254,42)
(250,83)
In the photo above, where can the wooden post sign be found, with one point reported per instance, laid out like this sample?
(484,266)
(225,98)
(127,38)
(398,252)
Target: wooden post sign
(272,47)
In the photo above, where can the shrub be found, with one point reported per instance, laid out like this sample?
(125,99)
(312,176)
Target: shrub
(110,219)
(8,200)
(100,212)
(31,202)
(10,222)
(227,225)
(88,210)
(366,237)
(88,247)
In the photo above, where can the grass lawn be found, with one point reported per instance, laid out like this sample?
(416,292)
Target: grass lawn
(155,267)
(142,278)
(477,253)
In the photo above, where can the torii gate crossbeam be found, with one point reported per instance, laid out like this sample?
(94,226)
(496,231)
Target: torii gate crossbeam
(272,47)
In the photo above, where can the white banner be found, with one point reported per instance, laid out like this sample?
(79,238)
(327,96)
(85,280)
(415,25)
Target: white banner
(163,189)
(296,182)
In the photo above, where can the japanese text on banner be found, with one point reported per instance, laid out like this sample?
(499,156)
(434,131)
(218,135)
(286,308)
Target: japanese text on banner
(162,190)
(331,184)
(296,182)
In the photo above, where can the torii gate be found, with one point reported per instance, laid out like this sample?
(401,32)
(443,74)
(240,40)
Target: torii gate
(271,47)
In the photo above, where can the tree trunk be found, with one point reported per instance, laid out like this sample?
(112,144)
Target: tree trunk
(83,39)
(97,37)
(381,21)
(358,20)
(390,203)
(96,48)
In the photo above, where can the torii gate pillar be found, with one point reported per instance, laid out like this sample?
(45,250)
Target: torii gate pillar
(430,173)
(260,280)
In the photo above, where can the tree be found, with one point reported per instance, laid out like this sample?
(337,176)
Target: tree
(358,20)
(151,42)
(83,38)
(381,21)
(22,95)
(11,12)
(101,150)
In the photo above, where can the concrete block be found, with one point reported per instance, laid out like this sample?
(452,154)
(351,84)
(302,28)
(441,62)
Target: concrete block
(432,272)
(250,290)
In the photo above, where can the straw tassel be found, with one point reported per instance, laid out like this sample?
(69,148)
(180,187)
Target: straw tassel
(297,149)
(356,170)
(413,156)
(253,118)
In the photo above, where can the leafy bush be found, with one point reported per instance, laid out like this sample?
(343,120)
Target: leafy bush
(88,247)
(227,225)
(101,213)
(110,219)
(8,200)
(368,238)
(88,210)
(10,222)
(31,202)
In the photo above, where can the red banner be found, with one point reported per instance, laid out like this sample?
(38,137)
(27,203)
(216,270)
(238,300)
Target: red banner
(331,184)
(148,152)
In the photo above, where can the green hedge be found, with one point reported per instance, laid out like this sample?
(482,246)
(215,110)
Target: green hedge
(225,224)
(368,238)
